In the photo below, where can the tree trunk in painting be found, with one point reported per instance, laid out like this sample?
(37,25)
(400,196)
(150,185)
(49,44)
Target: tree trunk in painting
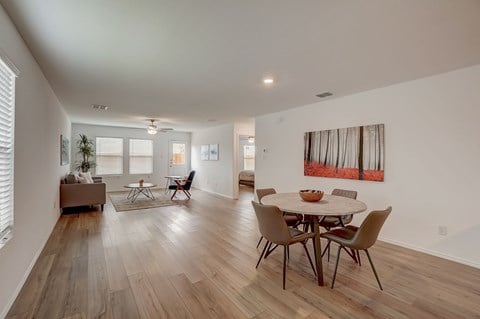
(326,151)
(309,149)
(379,149)
(360,154)
(338,150)
(345,149)
(319,147)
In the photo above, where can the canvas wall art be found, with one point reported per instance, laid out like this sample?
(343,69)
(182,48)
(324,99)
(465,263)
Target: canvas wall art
(64,150)
(351,153)
(214,152)
(204,152)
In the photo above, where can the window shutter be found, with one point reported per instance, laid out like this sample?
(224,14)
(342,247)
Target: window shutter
(7,108)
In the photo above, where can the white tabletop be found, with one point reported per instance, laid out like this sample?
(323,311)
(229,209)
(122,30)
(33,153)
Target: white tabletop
(330,205)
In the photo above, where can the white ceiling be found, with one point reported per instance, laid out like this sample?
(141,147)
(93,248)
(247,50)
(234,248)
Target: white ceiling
(189,61)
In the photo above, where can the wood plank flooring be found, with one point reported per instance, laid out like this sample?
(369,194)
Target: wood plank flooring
(198,261)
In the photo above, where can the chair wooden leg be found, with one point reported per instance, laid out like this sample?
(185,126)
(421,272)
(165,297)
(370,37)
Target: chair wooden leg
(284,265)
(270,250)
(354,257)
(263,252)
(259,241)
(358,258)
(352,253)
(174,193)
(373,268)
(336,265)
(309,258)
(288,253)
(327,249)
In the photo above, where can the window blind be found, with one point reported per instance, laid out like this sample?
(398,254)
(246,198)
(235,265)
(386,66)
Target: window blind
(7,108)
(109,156)
(249,157)
(141,156)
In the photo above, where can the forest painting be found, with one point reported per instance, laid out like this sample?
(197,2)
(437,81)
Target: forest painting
(353,153)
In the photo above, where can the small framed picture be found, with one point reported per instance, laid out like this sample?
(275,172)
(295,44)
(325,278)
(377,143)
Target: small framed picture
(214,152)
(204,152)
(64,150)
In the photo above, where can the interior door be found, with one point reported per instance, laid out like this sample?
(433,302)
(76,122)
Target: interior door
(177,158)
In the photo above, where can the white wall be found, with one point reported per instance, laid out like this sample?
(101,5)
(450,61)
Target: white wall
(215,176)
(39,121)
(160,152)
(432,174)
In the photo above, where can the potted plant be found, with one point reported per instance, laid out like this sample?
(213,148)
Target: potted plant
(87,151)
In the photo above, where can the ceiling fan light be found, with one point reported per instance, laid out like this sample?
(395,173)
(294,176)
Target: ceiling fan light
(152,128)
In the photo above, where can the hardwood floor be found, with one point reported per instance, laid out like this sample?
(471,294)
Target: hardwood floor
(198,261)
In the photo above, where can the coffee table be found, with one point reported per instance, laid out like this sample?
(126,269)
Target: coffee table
(136,189)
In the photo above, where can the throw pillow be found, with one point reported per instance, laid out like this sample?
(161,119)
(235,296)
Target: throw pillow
(70,179)
(82,180)
(87,176)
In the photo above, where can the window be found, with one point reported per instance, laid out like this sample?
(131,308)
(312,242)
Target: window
(178,153)
(7,110)
(249,157)
(109,156)
(141,156)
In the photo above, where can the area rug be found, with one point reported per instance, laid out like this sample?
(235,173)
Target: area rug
(122,204)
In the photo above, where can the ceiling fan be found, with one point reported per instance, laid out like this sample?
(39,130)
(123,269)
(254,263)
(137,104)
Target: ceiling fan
(153,129)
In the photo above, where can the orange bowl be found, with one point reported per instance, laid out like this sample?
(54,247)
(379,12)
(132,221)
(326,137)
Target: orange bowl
(311,195)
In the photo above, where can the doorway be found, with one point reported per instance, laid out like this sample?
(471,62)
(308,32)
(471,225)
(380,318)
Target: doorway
(177,158)
(245,166)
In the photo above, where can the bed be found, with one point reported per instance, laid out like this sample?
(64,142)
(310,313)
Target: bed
(246,177)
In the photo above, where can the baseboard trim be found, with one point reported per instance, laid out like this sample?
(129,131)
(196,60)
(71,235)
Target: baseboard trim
(431,252)
(17,290)
(214,193)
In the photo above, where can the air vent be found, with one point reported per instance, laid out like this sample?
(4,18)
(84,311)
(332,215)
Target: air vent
(99,107)
(324,94)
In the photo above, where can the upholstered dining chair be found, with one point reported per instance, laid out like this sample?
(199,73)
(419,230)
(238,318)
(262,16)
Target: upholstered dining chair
(183,186)
(359,238)
(292,220)
(273,227)
(330,222)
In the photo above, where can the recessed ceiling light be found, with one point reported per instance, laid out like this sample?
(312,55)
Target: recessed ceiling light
(99,107)
(268,81)
(324,94)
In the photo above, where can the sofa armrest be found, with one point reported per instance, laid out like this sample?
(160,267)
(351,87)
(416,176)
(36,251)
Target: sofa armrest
(97,179)
(72,195)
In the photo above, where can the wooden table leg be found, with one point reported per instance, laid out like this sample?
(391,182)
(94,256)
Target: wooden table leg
(318,250)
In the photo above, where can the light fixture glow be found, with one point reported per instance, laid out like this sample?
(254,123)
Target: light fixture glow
(152,128)
(268,80)
(251,139)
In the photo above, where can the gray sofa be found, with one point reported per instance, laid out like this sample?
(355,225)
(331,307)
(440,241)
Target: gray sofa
(73,195)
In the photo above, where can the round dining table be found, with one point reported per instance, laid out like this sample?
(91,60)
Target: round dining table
(330,205)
